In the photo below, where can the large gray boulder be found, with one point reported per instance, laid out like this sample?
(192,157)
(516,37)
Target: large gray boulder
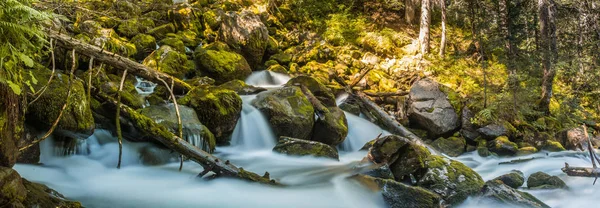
(492,131)
(288,111)
(246,34)
(572,139)
(430,108)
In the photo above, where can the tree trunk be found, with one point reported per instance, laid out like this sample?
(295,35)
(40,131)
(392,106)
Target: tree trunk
(11,125)
(424,30)
(443,41)
(410,11)
(505,30)
(547,14)
(117,61)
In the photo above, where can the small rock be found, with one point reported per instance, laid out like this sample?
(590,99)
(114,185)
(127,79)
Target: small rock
(292,146)
(514,179)
(452,146)
(541,180)
(492,131)
(553,146)
(502,146)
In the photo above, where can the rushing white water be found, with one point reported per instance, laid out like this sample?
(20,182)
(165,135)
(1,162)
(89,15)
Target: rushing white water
(267,79)
(252,130)
(581,192)
(362,132)
(144,88)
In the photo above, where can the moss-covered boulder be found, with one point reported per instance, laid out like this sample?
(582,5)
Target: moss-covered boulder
(77,117)
(503,146)
(289,112)
(106,38)
(40,195)
(386,149)
(452,146)
(167,60)
(282,58)
(399,195)
(350,105)
(193,131)
(144,44)
(212,19)
(132,27)
(246,34)
(553,146)
(450,179)
(174,41)
(217,108)
(541,180)
(161,31)
(292,146)
(12,191)
(492,131)
(109,84)
(526,151)
(411,158)
(241,88)
(185,17)
(496,190)
(514,179)
(221,65)
(320,91)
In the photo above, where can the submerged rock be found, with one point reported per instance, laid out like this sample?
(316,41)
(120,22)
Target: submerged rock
(288,111)
(430,108)
(502,146)
(292,146)
(193,131)
(166,59)
(18,192)
(498,191)
(452,146)
(246,34)
(399,195)
(217,108)
(541,180)
(221,64)
(514,179)
(77,117)
(39,195)
(154,155)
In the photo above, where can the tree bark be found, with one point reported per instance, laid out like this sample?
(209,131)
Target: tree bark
(410,12)
(547,15)
(443,41)
(424,28)
(506,31)
(117,61)
(161,134)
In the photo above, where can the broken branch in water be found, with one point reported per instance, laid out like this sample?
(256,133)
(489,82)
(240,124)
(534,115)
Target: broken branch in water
(179,125)
(581,171)
(520,160)
(118,118)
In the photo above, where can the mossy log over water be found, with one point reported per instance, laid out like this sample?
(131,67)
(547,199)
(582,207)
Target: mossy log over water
(161,134)
(117,61)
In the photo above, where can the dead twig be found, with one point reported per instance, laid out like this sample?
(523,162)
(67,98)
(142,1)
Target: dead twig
(179,125)
(118,118)
(41,92)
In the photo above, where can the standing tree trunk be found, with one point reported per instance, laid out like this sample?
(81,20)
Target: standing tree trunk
(410,11)
(547,14)
(443,41)
(424,30)
(11,125)
(505,30)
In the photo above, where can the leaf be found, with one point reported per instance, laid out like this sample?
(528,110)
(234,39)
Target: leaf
(26,60)
(15,88)
(33,79)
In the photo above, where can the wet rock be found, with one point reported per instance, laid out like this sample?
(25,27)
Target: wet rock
(399,195)
(492,131)
(526,151)
(292,146)
(452,180)
(242,88)
(289,112)
(77,117)
(320,91)
(154,155)
(12,190)
(145,45)
(514,179)
(39,195)
(498,191)
(217,108)
(166,59)
(411,159)
(221,65)
(193,131)
(386,149)
(553,146)
(541,180)
(350,105)
(430,108)
(246,34)
(382,172)
(573,139)
(468,130)
(452,146)
(502,146)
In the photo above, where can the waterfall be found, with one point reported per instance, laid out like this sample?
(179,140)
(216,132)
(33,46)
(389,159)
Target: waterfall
(267,79)
(358,137)
(252,131)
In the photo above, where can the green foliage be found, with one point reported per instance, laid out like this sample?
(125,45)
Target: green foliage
(21,38)
(342,29)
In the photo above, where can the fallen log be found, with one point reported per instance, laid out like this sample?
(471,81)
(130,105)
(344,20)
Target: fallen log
(163,135)
(581,171)
(117,61)
(386,94)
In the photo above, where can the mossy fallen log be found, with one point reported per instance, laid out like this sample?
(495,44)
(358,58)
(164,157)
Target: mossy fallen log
(161,134)
(581,171)
(117,61)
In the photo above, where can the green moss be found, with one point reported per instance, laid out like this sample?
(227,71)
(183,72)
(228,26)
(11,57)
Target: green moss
(108,22)
(291,146)
(398,195)
(211,20)
(39,195)
(161,32)
(282,58)
(144,44)
(452,146)
(541,180)
(503,146)
(173,41)
(270,63)
(135,26)
(514,179)
(526,151)
(553,146)
(222,65)
(278,68)
(169,61)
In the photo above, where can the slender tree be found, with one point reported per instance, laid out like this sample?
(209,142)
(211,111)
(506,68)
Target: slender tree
(506,31)
(410,11)
(548,48)
(443,41)
(424,29)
